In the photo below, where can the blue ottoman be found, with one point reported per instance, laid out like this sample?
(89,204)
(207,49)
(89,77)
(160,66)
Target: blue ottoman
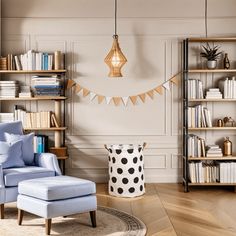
(56,196)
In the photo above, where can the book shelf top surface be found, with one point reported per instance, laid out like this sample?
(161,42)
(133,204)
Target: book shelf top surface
(211,71)
(224,158)
(31,71)
(37,98)
(212,39)
(212,184)
(46,129)
(213,128)
(213,100)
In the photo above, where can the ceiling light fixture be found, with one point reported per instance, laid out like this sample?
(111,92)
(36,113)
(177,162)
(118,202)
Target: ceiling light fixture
(115,58)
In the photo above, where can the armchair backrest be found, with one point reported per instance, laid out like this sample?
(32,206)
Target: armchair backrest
(11,127)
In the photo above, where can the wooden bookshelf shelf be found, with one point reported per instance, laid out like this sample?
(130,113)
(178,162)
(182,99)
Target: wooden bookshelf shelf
(212,128)
(46,129)
(212,71)
(38,98)
(202,40)
(212,100)
(32,71)
(212,184)
(224,158)
(63,158)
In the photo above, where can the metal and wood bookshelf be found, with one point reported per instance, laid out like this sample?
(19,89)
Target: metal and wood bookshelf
(59,106)
(187,101)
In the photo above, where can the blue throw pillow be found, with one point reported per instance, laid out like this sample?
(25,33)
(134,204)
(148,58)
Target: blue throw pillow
(27,145)
(10,154)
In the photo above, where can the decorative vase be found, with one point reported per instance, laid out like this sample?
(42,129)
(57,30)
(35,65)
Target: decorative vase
(211,64)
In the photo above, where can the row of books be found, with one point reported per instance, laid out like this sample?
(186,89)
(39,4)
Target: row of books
(228,87)
(9,89)
(40,143)
(222,172)
(199,116)
(195,89)
(30,60)
(47,85)
(196,146)
(42,119)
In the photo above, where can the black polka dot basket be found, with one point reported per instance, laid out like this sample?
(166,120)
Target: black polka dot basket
(126,170)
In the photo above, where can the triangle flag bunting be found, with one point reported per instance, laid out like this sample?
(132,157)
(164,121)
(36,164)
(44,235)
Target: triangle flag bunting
(175,80)
(166,85)
(78,88)
(70,83)
(151,94)
(159,90)
(117,100)
(85,92)
(108,100)
(92,96)
(125,100)
(100,99)
(133,99)
(142,97)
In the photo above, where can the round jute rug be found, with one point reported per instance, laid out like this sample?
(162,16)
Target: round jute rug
(110,222)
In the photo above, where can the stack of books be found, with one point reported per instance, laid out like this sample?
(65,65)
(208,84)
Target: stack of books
(214,93)
(199,116)
(6,117)
(195,89)
(196,146)
(9,89)
(3,63)
(228,87)
(213,151)
(40,143)
(25,92)
(47,85)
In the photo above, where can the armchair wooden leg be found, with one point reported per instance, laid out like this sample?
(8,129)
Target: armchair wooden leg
(20,216)
(48,223)
(2,211)
(93,218)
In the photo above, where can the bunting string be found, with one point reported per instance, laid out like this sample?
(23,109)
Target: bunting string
(118,100)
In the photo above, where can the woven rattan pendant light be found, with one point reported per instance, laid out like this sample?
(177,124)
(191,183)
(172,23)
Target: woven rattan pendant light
(115,58)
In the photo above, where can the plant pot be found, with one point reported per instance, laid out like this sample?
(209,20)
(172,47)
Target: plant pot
(211,64)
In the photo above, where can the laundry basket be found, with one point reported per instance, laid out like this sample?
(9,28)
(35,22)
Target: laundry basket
(126,170)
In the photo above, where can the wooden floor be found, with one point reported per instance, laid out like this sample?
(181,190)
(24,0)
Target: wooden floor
(167,210)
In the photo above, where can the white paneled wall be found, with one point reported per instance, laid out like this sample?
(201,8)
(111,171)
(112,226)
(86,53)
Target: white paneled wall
(151,33)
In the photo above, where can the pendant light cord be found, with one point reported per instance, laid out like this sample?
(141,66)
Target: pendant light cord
(206,33)
(115,17)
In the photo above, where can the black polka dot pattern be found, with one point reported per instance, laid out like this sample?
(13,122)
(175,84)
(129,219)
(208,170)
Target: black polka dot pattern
(126,166)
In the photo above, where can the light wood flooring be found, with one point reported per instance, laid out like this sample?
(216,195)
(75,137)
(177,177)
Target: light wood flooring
(167,210)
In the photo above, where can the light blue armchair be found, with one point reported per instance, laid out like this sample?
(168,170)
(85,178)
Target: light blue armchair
(45,165)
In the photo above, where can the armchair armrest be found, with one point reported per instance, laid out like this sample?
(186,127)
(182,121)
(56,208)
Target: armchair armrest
(2,185)
(47,160)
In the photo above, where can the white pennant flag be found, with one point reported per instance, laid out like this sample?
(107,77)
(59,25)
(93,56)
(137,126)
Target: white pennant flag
(108,99)
(125,100)
(92,96)
(166,85)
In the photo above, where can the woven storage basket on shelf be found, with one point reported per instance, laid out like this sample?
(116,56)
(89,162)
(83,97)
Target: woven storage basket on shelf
(126,170)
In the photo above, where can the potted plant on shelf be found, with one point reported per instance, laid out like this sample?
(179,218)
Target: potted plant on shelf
(211,54)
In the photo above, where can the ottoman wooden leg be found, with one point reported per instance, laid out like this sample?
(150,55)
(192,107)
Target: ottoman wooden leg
(2,211)
(20,216)
(93,218)
(48,223)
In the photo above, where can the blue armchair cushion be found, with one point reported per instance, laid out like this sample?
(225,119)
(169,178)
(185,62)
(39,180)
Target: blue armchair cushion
(27,145)
(11,127)
(10,154)
(13,176)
